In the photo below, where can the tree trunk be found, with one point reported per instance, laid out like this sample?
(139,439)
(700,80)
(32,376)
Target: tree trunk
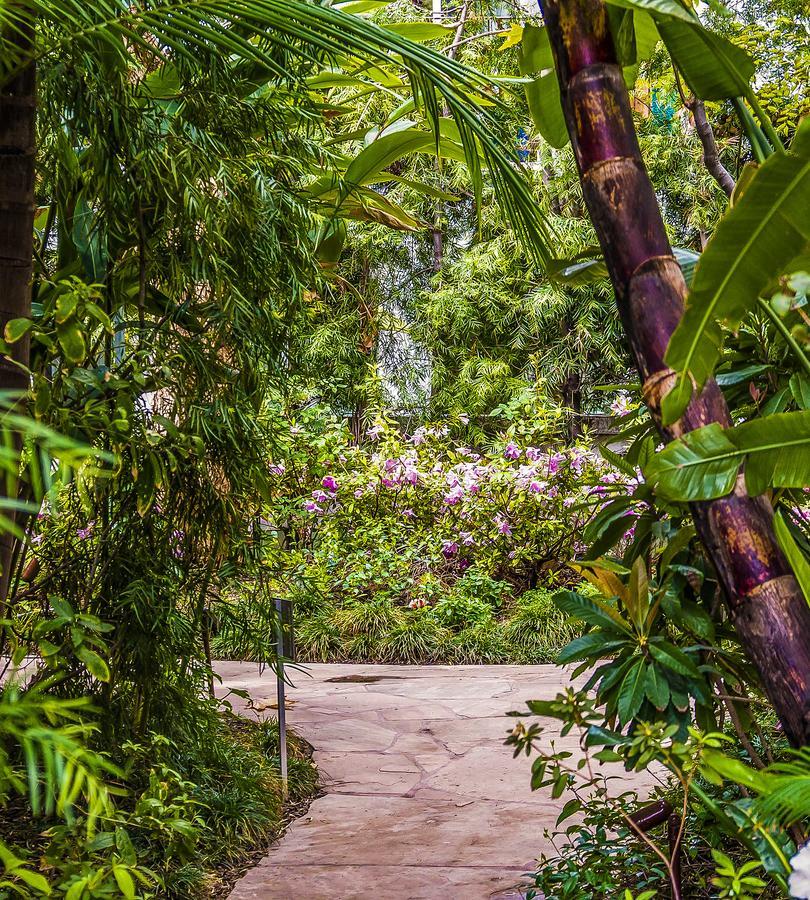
(711,156)
(572,401)
(17,149)
(770,614)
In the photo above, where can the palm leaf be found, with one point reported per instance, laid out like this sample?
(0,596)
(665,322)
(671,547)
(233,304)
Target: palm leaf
(250,29)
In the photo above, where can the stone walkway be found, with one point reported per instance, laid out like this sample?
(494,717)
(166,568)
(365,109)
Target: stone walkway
(423,801)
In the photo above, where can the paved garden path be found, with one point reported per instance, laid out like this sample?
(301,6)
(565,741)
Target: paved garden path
(423,801)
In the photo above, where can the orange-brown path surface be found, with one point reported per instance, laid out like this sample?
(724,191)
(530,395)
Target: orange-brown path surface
(422,799)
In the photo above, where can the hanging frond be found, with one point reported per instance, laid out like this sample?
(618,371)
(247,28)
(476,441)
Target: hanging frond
(268,32)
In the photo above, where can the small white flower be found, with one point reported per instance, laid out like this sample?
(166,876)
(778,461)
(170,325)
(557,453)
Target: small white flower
(799,881)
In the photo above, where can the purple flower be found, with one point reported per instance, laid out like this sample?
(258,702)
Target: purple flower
(511,451)
(358,493)
(464,419)
(277,469)
(535,487)
(449,548)
(533,453)
(374,432)
(554,461)
(577,460)
(320,496)
(83,533)
(391,464)
(502,524)
(463,564)
(312,506)
(36,539)
(621,405)
(389,482)
(329,483)
(408,513)
(454,495)
(466,538)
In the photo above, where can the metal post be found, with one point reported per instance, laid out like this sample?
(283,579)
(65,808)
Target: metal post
(282,727)
(285,651)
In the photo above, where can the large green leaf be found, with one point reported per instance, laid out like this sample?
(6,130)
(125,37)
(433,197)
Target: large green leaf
(369,164)
(535,50)
(704,464)
(752,245)
(673,657)
(419,31)
(545,106)
(631,692)
(543,91)
(797,559)
(712,66)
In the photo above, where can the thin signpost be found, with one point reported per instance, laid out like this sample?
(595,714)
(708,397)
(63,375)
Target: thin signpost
(285,652)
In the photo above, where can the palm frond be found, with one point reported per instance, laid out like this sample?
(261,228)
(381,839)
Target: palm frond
(250,29)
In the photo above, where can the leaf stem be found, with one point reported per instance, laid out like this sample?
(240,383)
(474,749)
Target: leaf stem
(765,120)
(784,331)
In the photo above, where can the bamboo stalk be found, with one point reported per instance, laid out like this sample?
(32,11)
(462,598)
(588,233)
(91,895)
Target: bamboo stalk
(769,612)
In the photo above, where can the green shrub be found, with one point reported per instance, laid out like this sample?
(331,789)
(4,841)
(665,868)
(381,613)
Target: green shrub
(537,630)
(458,611)
(475,585)
(417,638)
(374,619)
(482,644)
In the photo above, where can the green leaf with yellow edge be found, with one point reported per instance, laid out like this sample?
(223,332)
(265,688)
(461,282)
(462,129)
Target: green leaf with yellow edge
(16,329)
(71,340)
(96,666)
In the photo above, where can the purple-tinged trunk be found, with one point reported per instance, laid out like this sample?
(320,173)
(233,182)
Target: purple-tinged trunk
(17,150)
(770,614)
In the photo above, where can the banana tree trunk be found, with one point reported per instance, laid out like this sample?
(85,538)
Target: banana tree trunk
(17,149)
(769,612)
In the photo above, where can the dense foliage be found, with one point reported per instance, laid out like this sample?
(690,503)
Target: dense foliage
(302,325)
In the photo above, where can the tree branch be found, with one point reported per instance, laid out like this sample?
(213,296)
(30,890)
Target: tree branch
(711,157)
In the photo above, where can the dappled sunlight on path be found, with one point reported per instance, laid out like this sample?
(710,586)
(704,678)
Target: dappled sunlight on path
(423,801)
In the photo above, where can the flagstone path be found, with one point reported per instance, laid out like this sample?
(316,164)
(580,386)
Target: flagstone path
(422,800)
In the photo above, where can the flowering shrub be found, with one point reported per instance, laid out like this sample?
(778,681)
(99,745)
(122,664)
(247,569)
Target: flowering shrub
(424,532)
(513,510)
